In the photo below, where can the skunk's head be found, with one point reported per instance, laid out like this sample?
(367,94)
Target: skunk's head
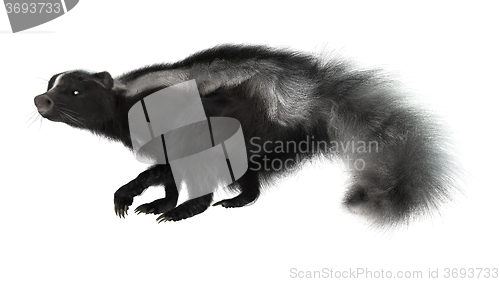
(79,98)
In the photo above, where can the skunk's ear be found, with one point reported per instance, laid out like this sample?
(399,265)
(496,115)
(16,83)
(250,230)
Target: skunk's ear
(105,79)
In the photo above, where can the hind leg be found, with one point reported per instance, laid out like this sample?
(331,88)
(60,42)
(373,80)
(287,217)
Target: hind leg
(250,191)
(187,209)
(165,204)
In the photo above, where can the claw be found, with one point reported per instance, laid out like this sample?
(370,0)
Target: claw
(140,209)
(218,203)
(121,212)
(163,218)
(143,209)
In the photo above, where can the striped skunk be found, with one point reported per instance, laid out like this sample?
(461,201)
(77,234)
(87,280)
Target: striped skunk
(403,165)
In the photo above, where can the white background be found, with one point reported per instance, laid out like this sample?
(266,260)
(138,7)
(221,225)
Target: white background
(56,202)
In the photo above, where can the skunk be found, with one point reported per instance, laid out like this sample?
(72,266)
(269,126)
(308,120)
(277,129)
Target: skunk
(402,165)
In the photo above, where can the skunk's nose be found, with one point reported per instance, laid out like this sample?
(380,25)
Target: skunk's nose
(43,103)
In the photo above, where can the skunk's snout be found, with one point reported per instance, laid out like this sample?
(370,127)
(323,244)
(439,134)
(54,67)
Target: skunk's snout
(43,103)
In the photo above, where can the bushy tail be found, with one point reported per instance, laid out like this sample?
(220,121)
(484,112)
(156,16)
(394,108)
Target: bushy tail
(400,161)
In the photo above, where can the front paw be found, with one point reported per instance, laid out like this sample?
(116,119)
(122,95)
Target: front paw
(122,202)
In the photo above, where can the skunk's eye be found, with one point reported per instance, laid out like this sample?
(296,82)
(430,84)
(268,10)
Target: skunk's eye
(76,92)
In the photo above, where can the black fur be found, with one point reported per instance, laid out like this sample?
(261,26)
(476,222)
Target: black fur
(278,96)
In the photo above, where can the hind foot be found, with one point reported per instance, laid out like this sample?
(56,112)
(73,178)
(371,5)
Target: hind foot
(238,201)
(249,187)
(187,209)
(158,206)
